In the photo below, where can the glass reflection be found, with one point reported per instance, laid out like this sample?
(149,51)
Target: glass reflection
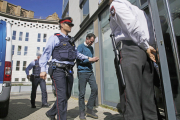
(85,9)
(110,81)
(143,1)
(133,1)
(75,91)
(175,14)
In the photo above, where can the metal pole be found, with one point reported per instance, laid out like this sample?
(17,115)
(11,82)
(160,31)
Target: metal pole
(173,38)
(73,89)
(20,88)
(169,103)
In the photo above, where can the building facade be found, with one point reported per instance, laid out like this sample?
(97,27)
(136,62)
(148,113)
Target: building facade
(29,35)
(15,9)
(92,16)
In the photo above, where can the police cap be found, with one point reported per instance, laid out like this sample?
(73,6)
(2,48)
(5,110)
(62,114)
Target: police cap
(67,20)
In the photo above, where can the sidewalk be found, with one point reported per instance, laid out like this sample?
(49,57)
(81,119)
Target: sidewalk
(20,109)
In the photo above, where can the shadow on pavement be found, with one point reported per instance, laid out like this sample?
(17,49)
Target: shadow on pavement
(21,108)
(110,116)
(72,113)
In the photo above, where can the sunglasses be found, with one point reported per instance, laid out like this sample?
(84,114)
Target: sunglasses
(70,25)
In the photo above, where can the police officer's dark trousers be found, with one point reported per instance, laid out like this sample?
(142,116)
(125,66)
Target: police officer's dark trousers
(137,101)
(35,84)
(63,85)
(85,77)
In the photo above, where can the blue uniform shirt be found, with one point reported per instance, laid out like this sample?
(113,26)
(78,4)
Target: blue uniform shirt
(30,66)
(53,42)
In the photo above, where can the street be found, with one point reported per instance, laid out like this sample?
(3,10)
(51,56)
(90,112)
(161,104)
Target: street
(20,109)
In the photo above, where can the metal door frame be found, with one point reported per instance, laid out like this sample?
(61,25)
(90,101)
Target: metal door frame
(168,97)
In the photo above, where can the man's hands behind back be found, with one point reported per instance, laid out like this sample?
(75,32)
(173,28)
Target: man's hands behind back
(150,52)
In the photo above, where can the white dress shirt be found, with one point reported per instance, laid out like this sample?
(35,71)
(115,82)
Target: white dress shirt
(128,22)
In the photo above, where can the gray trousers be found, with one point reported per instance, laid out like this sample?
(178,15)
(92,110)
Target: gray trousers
(137,100)
(85,77)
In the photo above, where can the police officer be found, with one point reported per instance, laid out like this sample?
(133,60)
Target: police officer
(35,79)
(132,27)
(63,53)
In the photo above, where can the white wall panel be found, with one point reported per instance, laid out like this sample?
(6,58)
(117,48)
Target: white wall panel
(93,6)
(75,13)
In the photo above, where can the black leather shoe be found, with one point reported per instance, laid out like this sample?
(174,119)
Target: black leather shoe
(33,106)
(50,117)
(91,113)
(82,116)
(45,105)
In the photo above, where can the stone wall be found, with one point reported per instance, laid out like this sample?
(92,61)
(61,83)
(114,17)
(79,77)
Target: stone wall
(15,10)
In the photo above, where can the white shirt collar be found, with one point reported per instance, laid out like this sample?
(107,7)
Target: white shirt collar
(85,44)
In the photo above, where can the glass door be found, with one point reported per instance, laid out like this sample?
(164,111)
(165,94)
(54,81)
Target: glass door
(75,90)
(110,91)
(167,59)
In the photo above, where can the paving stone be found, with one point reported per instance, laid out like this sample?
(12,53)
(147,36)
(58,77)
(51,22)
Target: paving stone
(20,109)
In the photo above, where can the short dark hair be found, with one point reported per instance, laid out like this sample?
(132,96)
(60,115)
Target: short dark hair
(88,36)
(59,26)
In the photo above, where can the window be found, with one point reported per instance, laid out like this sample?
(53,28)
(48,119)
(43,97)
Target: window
(143,1)
(16,79)
(66,12)
(43,49)
(17,65)
(39,37)
(38,49)
(20,36)
(85,9)
(27,37)
(90,29)
(24,65)
(65,2)
(167,32)
(109,73)
(14,35)
(23,79)
(25,50)
(19,50)
(13,47)
(44,37)
(134,1)
(12,64)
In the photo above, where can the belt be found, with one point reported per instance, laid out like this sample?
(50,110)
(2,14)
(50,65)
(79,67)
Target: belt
(61,65)
(35,76)
(129,42)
